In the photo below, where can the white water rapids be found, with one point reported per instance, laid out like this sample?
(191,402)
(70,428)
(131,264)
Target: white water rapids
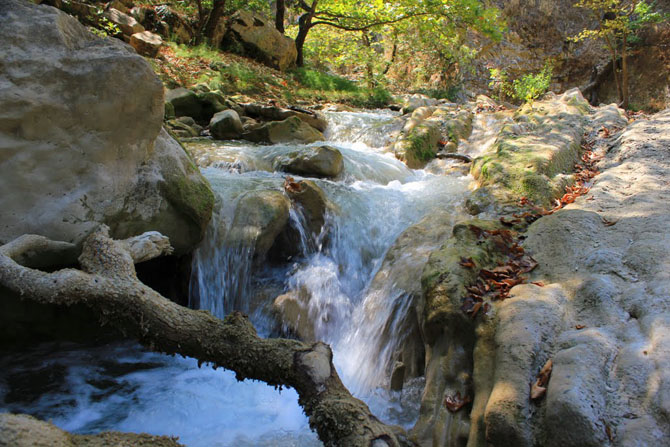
(122,387)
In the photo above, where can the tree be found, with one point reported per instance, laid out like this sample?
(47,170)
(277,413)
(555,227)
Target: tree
(618,22)
(279,15)
(436,26)
(108,284)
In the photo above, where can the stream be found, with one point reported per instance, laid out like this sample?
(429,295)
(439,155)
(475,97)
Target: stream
(121,386)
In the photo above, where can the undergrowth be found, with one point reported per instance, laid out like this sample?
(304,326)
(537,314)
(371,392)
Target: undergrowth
(186,66)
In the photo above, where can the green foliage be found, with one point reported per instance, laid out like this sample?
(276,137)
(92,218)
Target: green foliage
(532,85)
(525,89)
(319,80)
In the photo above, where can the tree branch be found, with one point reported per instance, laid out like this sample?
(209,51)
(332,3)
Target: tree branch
(107,283)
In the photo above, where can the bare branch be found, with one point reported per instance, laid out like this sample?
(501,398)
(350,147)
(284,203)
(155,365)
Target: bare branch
(108,285)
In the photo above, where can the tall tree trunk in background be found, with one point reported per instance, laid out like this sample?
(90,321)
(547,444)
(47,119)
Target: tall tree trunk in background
(624,73)
(304,25)
(369,70)
(201,23)
(214,17)
(279,16)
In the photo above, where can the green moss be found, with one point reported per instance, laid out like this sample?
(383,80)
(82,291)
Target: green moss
(531,155)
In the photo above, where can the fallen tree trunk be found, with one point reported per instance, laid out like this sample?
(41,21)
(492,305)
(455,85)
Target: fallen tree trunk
(107,283)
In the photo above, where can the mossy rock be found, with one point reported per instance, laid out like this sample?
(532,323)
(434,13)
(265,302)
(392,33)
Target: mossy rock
(419,146)
(533,154)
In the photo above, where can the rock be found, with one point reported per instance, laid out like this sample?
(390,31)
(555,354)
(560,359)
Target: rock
(119,6)
(412,102)
(146,43)
(226,125)
(419,145)
(93,157)
(531,154)
(320,161)
(271,113)
(185,103)
(126,23)
(259,39)
(260,217)
(86,13)
(292,129)
(212,102)
(313,203)
(182,129)
(180,29)
(169,111)
(22,430)
(292,309)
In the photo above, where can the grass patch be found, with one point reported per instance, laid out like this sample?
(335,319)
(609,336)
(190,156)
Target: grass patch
(318,80)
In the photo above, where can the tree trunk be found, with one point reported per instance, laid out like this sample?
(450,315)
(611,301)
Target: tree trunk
(108,284)
(624,73)
(279,16)
(304,25)
(369,69)
(214,17)
(201,23)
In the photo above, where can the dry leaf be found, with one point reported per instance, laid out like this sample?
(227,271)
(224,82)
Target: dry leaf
(456,402)
(537,391)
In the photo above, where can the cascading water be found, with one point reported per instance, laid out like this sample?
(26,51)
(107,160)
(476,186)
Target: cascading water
(122,387)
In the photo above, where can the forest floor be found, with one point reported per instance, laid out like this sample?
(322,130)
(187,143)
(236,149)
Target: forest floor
(186,66)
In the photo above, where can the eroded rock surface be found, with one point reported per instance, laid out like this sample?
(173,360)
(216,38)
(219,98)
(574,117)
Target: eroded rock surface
(81,139)
(597,305)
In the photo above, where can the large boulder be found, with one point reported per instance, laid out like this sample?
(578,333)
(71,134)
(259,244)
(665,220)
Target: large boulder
(292,129)
(254,36)
(320,161)
(81,140)
(226,125)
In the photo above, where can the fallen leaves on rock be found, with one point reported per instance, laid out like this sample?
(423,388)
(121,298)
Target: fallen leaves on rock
(495,283)
(290,185)
(539,387)
(456,402)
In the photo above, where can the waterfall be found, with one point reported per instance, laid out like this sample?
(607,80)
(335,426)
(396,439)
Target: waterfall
(359,278)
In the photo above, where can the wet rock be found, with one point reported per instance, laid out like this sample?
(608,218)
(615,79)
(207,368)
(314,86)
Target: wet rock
(292,309)
(102,160)
(271,113)
(320,161)
(418,145)
(292,129)
(313,203)
(146,43)
(226,125)
(258,38)
(260,217)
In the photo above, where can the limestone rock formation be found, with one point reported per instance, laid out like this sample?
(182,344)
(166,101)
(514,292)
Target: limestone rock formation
(257,37)
(81,139)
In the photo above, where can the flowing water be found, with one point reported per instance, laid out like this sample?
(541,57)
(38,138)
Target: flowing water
(123,387)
